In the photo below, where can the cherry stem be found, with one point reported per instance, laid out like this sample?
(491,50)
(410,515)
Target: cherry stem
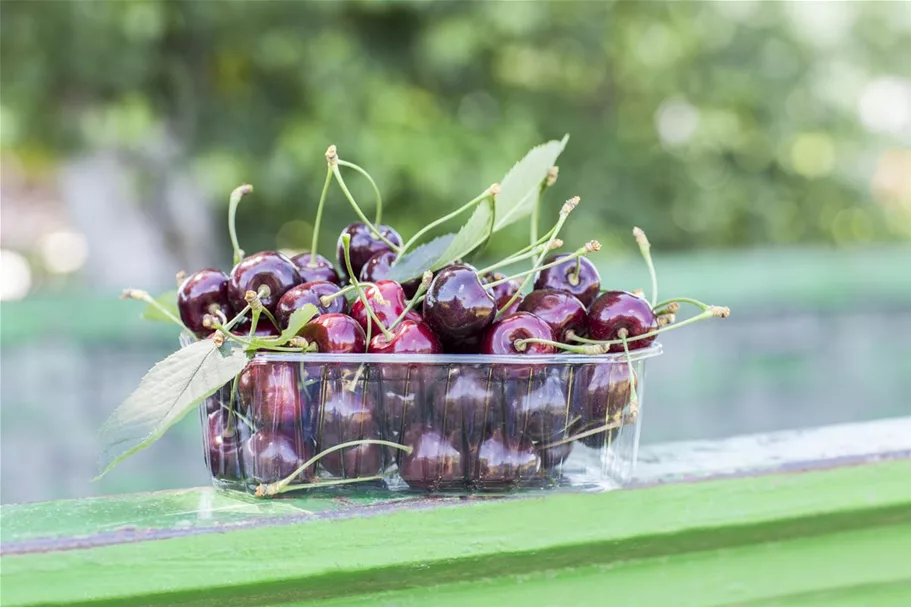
(145,297)
(695,302)
(611,426)
(251,344)
(709,312)
(379,199)
(254,320)
(587,348)
(333,164)
(468,205)
(511,260)
(346,243)
(282,485)
(575,254)
(536,209)
(565,210)
(574,277)
(319,219)
(236,319)
(418,296)
(235,199)
(634,397)
(236,414)
(646,249)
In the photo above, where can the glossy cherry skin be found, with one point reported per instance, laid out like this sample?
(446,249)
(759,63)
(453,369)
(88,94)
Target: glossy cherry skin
(501,337)
(408,337)
(615,310)
(502,293)
(562,278)
(600,393)
(269,392)
(321,270)
(377,268)
(202,293)
(434,463)
(501,463)
(272,455)
(458,308)
(387,300)
(264,268)
(346,414)
(560,310)
(225,442)
(309,293)
(336,334)
(364,245)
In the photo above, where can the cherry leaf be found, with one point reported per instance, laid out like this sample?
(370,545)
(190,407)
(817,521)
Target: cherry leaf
(168,301)
(473,234)
(296,322)
(420,259)
(170,390)
(519,188)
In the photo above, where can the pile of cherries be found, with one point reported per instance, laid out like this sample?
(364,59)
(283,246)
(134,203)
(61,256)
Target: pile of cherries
(480,426)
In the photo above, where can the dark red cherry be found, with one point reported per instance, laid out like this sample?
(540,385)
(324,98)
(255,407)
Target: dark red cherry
(309,293)
(501,337)
(336,334)
(540,405)
(225,440)
(320,270)
(601,391)
(387,300)
(560,310)
(272,455)
(553,456)
(615,310)
(408,337)
(268,268)
(346,414)
(270,393)
(364,245)
(202,293)
(377,268)
(502,463)
(264,328)
(434,463)
(562,277)
(458,308)
(502,293)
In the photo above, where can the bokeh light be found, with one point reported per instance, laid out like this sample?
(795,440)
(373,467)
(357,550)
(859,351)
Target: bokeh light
(15,275)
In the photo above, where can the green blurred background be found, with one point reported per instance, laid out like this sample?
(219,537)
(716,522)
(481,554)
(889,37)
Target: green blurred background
(764,147)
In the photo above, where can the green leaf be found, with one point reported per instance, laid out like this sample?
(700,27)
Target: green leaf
(420,259)
(170,390)
(520,185)
(472,234)
(296,322)
(168,301)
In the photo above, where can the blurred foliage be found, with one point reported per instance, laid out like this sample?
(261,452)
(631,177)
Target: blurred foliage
(757,103)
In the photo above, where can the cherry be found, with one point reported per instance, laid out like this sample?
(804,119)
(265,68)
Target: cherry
(335,333)
(502,463)
(201,294)
(377,268)
(402,388)
(540,405)
(224,445)
(266,268)
(501,337)
(434,463)
(458,308)
(616,310)
(503,292)
(560,310)
(387,300)
(346,414)
(408,337)
(562,277)
(264,328)
(321,270)
(309,293)
(269,391)
(364,244)
(553,457)
(600,393)
(271,455)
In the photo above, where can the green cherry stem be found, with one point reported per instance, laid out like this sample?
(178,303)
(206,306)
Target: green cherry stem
(709,312)
(327,299)
(646,249)
(565,210)
(319,218)
(695,302)
(378,218)
(283,485)
(235,199)
(634,397)
(591,246)
(332,157)
(254,321)
(418,297)
(145,297)
(491,191)
(586,348)
(346,243)
(536,210)
(517,258)
(256,305)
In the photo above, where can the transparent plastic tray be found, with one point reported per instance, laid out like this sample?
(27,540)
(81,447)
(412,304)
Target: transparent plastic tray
(454,423)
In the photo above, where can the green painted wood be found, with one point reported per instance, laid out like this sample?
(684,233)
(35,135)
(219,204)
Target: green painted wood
(433,547)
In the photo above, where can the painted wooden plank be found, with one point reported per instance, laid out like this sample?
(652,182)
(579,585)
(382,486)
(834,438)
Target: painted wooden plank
(401,549)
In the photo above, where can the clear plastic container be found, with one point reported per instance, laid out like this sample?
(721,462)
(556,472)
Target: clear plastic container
(468,423)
